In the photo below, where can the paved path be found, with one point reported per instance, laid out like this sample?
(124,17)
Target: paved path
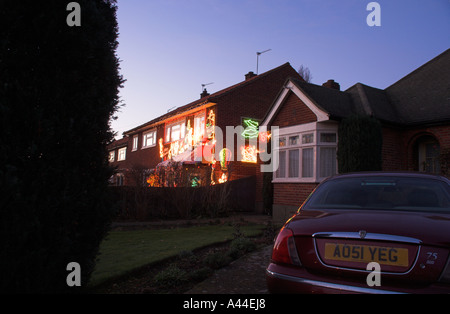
(243,276)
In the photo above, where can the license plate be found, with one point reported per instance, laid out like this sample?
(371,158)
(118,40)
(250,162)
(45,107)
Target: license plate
(383,255)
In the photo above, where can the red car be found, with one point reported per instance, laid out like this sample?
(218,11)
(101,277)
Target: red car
(367,233)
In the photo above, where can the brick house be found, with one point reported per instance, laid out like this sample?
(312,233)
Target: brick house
(414,113)
(177,148)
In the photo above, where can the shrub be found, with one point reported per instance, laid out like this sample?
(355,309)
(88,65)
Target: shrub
(217,260)
(170,277)
(58,92)
(241,246)
(360,144)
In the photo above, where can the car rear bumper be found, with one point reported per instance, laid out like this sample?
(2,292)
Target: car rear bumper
(302,285)
(281,279)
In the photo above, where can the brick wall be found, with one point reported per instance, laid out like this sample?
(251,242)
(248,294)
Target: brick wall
(399,145)
(292,193)
(293,111)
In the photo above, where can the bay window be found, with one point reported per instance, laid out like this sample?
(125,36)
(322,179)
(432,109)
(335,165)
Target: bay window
(306,153)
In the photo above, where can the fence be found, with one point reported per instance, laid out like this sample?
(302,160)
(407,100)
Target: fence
(145,203)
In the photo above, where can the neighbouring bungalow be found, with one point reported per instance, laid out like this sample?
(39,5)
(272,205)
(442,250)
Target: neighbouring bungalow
(179,148)
(414,113)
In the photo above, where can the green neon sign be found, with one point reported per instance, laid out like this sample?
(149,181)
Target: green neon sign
(251,128)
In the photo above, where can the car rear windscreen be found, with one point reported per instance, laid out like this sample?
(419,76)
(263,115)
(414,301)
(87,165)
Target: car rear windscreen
(394,193)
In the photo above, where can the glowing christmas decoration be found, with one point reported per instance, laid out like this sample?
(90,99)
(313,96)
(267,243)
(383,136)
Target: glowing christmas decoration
(225,157)
(210,124)
(223,178)
(195,182)
(249,153)
(161,148)
(251,128)
(264,136)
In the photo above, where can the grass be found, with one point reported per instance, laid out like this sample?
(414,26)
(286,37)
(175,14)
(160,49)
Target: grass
(124,251)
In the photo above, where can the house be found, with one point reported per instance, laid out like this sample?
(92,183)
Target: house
(414,113)
(181,148)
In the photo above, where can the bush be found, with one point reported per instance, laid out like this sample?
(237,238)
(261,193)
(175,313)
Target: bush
(217,260)
(241,246)
(58,91)
(170,277)
(360,144)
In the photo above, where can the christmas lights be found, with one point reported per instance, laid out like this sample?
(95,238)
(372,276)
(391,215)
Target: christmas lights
(249,153)
(251,129)
(225,158)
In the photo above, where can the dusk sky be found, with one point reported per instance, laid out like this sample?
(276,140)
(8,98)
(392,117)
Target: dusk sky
(169,48)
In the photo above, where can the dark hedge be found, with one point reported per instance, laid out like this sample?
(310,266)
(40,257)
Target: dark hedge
(58,93)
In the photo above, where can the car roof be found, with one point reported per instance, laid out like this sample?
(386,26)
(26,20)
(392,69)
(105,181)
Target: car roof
(409,174)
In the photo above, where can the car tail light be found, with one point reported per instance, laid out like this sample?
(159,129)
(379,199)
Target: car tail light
(445,277)
(284,250)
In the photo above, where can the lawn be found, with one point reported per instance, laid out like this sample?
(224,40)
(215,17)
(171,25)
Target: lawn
(124,251)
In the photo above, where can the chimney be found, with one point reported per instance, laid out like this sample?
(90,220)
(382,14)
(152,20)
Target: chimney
(332,84)
(204,93)
(249,75)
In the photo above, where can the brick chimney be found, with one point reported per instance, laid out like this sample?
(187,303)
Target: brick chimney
(332,84)
(249,75)
(204,93)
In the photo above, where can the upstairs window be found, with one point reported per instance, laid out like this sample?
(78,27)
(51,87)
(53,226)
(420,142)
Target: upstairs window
(112,155)
(175,132)
(199,127)
(122,154)
(149,139)
(135,142)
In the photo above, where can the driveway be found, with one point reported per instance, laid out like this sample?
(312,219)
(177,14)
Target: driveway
(243,276)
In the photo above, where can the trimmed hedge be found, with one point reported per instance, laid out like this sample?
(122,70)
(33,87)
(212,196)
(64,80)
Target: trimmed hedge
(58,92)
(360,144)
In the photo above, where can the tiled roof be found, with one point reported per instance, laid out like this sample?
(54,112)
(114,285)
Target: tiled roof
(214,98)
(423,96)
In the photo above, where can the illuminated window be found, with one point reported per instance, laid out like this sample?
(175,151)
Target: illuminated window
(175,132)
(122,154)
(199,127)
(149,139)
(112,155)
(135,142)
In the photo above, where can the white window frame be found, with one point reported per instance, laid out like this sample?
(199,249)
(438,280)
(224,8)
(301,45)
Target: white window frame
(122,154)
(112,156)
(169,135)
(135,143)
(199,130)
(150,135)
(314,128)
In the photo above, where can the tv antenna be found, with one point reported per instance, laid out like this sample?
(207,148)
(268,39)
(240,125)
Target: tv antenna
(203,85)
(257,58)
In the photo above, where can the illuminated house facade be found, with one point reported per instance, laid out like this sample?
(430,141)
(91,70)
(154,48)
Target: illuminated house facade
(414,113)
(179,148)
